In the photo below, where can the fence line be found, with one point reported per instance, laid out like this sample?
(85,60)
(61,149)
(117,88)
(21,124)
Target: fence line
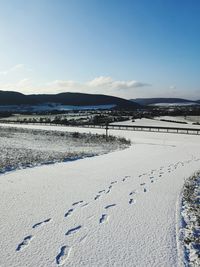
(158,129)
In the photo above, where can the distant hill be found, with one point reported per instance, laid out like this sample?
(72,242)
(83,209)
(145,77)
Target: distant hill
(72,99)
(157,101)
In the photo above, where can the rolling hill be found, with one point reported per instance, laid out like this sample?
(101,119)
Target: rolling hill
(72,99)
(157,101)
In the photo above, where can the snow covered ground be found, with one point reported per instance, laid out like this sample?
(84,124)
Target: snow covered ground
(185,119)
(21,148)
(157,122)
(117,209)
(175,104)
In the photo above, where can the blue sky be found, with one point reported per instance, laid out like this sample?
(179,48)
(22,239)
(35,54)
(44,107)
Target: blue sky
(136,48)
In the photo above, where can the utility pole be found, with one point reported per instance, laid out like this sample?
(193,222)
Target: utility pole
(106,131)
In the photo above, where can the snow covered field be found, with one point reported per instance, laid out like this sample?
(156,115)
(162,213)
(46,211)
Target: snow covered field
(157,122)
(21,148)
(117,209)
(187,119)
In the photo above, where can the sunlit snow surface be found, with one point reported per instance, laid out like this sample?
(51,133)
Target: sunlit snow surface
(21,148)
(175,104)
(118,209)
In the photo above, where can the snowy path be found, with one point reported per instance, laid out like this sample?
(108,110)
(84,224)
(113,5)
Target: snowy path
(117,209)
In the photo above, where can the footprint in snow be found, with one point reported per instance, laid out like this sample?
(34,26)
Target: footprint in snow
(101,191)
(41,223)
(73,230)
(24,243)
(78,202)
(131,201)
(63,255)
(69,212)
(114,182)
(103,219)
(96,197)
(109,189)
(110,206)
(132,192)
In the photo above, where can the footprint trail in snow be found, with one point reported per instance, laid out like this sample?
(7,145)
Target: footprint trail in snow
(145,184)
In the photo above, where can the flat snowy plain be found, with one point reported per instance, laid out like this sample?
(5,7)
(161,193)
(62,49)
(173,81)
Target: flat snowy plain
(118,209)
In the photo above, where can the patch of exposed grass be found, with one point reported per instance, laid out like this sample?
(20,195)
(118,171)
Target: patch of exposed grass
(190,231)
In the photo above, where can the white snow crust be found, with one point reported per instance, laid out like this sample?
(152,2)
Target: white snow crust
(157,121)
(22,148)
(119,209)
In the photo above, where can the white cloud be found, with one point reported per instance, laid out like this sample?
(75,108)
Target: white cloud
(63,83)
(24,86)
(109,83)
(98,85)
(100,81)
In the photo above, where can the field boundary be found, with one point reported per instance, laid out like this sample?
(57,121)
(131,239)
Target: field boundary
(157,129)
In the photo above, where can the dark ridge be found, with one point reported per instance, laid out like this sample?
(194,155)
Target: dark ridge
(74,99)
(151,101)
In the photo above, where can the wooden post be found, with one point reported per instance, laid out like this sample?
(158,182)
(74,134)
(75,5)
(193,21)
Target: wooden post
(106,131)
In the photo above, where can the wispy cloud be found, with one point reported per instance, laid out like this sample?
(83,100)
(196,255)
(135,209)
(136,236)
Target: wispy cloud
(110,83)
(25,86)
(100,85)
(64,84)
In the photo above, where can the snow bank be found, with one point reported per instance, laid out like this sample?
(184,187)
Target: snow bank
(190,221)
